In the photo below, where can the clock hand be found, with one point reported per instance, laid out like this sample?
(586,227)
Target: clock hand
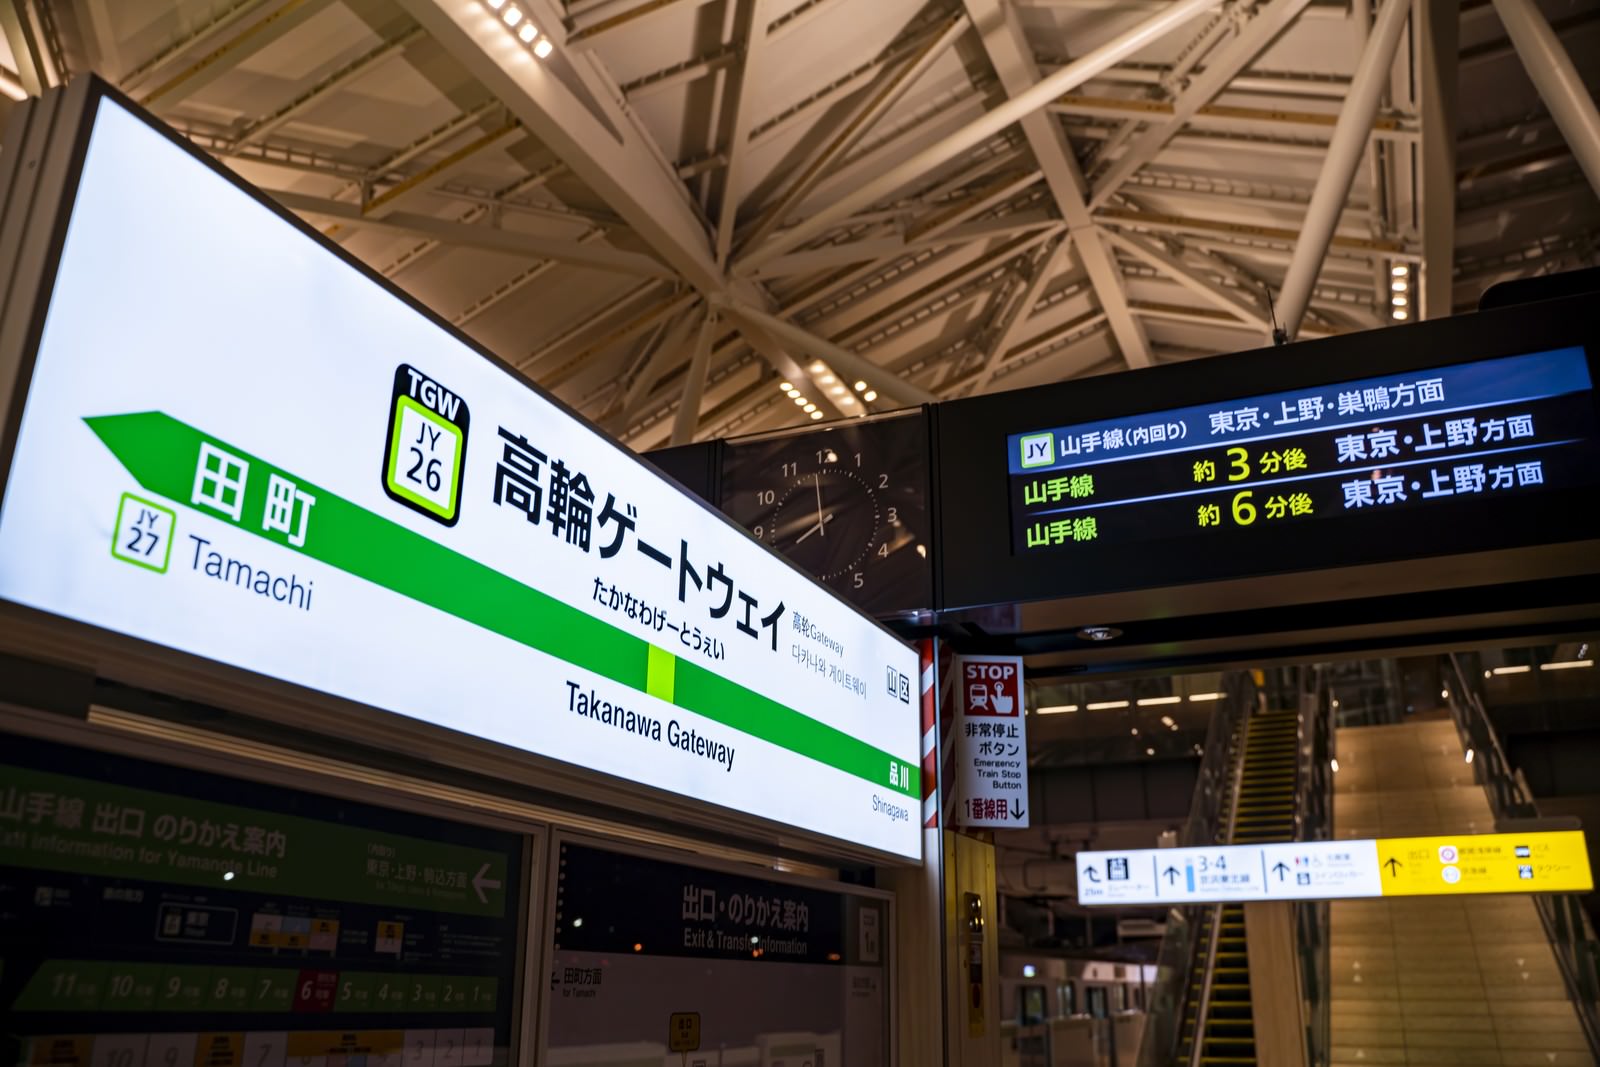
(821,522)
(817,528)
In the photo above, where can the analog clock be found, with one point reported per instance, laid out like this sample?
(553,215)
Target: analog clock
(847,504)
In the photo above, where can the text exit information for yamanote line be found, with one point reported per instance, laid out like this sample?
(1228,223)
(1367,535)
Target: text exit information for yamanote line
(1495,429)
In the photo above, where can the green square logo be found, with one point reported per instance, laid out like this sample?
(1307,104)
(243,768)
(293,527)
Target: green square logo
(143,534)
(1038,450)
(426,449)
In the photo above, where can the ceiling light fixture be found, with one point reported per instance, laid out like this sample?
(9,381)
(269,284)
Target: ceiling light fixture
(1399,270)
(543,48)
(861,387)
(1400,313)
(1399,285)
(800,401)
(816,415)
(495,5)
(527,33)
(785,386)
(1108,705)
(870,395)
(512,15)
(1520,668)
(1150,702)
(819,367)
(1566,665)
(1197,697)
(1399,301)
(1055,709)
(809,408)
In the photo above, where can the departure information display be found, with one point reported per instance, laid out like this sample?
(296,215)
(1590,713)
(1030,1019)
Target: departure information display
(1362,450)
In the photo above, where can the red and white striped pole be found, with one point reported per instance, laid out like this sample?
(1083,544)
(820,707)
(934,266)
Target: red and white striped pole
(928,651)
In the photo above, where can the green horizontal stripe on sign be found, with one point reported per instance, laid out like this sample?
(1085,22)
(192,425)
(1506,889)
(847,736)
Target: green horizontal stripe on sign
(163,454)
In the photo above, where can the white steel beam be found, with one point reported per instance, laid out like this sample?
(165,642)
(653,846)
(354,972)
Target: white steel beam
(1558,81)
(1170,15)
(1190,279)
(855,125)
(613,155)
(1270,19)
(1008,50)
(273,26)
(1050,262)
(873,249)
(658,360)
(687,416)
(349,73)
(1439,40)
(1344,156)
(841,359)
(738,103)
(488,238)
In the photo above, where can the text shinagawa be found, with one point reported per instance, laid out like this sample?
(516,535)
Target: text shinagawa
(588,703)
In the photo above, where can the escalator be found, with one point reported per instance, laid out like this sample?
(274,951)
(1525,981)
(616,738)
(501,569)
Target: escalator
(1261,810)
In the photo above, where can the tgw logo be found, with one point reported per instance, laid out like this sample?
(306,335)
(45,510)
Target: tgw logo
(427,446)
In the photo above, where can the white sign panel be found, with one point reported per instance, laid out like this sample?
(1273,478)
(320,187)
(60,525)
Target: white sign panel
(238,445)
(1301,870)
(991,740)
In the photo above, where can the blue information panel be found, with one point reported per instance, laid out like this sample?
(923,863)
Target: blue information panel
(1484,431)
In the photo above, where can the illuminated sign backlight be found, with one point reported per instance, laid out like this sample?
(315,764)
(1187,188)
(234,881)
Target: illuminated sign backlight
(1263,466)
(238,445)
(1535,862)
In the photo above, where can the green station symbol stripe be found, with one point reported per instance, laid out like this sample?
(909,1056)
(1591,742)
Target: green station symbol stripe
(162,455)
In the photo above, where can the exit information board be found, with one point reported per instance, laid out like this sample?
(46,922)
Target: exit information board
(1538,862)
(151,918)
(240,446)
(1371,452)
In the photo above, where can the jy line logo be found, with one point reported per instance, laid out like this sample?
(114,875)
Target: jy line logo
(1038,450)
(427,447)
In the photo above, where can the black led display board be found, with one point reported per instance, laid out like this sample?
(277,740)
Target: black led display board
(1468,435)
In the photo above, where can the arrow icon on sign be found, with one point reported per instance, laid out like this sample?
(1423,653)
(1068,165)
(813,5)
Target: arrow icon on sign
(1393,865)
(1280,869)
(480,883)
(1017,810)
(1172,875)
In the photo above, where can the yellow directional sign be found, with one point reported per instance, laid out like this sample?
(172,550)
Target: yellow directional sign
(1542,862)
(683,1031)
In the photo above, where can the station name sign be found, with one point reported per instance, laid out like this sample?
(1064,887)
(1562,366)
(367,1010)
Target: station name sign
(238,444)
(1535,862)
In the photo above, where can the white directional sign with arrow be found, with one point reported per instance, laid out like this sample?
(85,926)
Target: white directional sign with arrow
(1533,862)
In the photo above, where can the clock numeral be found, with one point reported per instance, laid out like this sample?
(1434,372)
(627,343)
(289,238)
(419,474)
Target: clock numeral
(883,481)
(858,459)
(791,469)
(760,532)
(858,580)
(894,516)
(883,550)
(766,496)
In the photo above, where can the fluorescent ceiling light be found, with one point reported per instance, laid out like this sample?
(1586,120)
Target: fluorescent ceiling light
(1053,709)
(1197,697)
(1108,705)
(1150,702)
(1566,665)
(1521,668)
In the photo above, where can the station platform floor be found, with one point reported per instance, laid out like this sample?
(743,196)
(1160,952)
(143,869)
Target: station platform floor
(1436,980)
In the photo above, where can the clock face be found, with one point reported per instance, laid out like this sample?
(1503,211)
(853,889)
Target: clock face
(846,504)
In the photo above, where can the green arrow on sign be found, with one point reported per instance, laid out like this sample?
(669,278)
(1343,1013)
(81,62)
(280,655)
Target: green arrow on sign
(162,454)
